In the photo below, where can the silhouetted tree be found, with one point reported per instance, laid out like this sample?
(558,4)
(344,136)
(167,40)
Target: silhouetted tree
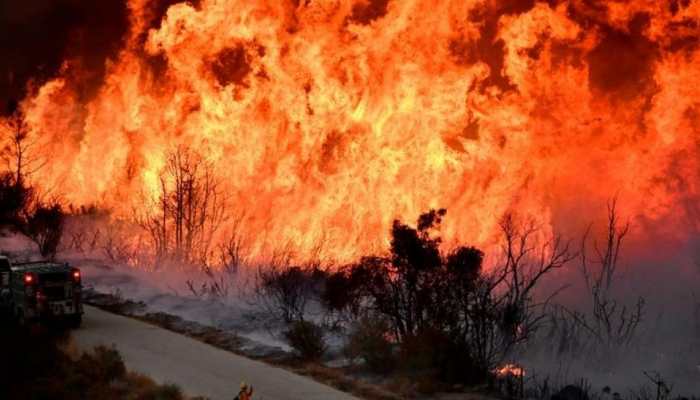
(611,324)
(18,151)
(16,195)
(189,208)
(14,199)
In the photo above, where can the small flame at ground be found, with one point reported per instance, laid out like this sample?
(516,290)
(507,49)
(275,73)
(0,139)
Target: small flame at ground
(508,370)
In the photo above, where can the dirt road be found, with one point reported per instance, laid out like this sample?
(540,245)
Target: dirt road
(199,369)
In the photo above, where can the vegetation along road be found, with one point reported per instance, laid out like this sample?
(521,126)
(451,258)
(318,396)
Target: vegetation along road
(199,369)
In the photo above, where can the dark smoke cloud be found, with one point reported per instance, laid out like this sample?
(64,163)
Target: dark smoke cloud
(367,11)
(487,48)
(37,36)
(621,65)
(156,11)
(623,62)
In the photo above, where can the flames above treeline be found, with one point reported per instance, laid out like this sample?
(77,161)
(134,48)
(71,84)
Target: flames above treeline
(326,120)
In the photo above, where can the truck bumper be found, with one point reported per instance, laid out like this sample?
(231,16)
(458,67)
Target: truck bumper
(55,309)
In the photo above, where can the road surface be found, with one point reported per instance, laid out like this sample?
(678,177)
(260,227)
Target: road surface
(199,369)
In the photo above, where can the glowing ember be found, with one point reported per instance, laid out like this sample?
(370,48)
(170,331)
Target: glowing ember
(328,119)
(509,370)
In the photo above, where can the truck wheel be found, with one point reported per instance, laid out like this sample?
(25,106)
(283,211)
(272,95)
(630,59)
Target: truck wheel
(75,321)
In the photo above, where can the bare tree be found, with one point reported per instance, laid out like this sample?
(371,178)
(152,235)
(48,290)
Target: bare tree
(610,323)
(118,244)
(504,310)
(16,197)
(18,151)
(661,389)
(232,250)
(526,263)
(189,209)
(215,288)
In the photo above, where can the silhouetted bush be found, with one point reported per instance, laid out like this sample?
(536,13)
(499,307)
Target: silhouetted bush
(14,199)
(343,292)
(368,341)
(45,227)
(105,364)
(435,353)
(307,339)
(423,296)
(34,367)
(286,290)
(449,317)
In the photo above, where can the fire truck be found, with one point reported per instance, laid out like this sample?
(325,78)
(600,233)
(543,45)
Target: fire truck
(41,291)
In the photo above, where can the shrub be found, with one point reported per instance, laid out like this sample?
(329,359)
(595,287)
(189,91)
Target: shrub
(436,354)
(34,367)
(368,341)
(307,339)
(104,364)
(14,199)
(343,292)
(449,316)
(45,227)
(286,290)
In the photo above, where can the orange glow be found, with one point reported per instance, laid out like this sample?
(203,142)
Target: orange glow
(327,119)
(510,370)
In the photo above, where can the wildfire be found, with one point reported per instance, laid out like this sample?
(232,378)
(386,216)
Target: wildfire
(327,119)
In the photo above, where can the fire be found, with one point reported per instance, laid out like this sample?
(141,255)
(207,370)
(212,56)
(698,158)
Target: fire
(509,370)
(327,119)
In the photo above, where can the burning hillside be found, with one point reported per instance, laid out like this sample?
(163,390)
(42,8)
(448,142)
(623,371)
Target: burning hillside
(324,121)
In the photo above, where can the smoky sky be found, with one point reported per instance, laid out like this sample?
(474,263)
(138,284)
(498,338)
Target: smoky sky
(38,37)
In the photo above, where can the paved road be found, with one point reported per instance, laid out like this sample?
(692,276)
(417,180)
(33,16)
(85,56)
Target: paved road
(199,369)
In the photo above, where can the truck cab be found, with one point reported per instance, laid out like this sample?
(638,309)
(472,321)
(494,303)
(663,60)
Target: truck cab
(40,291)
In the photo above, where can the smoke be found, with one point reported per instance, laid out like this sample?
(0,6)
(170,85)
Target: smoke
(45,38)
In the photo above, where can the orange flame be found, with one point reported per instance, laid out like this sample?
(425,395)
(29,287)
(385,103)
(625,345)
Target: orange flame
(327,119)
(508,370)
